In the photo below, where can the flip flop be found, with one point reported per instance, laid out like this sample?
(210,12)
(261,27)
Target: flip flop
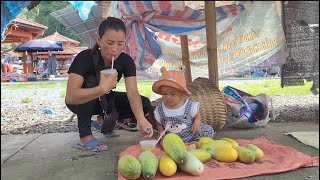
(114,133)
(92,145)
(98,126)
(128,126)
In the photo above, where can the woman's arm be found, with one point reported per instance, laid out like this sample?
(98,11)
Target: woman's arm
(77,95)
(136,106)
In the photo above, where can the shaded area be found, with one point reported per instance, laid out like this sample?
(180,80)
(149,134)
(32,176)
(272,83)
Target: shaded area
(55,159)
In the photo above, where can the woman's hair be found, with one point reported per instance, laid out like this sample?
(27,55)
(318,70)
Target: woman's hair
(110,23)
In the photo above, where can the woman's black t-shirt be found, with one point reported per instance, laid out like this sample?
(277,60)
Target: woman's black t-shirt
(84,66)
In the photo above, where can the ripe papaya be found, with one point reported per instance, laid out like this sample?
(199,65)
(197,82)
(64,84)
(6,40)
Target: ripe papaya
(224,154)
(204,140)
(215,144)
(231,141)
(167,166)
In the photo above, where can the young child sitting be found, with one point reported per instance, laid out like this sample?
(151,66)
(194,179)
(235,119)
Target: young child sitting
(176,112)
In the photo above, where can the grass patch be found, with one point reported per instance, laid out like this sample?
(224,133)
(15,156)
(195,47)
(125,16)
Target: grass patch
(35,86)
(5,96)
(26,100)
(144,87)
(63,94)
(273,87)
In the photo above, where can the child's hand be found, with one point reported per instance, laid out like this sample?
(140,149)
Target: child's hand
(196,128)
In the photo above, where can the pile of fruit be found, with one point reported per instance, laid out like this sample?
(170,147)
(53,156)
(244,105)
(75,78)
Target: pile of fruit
(188,159)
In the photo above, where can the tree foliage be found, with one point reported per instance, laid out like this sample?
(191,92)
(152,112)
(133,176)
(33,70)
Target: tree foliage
(41,14)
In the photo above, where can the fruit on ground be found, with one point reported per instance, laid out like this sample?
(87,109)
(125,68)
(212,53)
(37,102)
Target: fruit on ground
(149,164)
(224,154)
(201,154)
(215,144)
(231,141)
(174,146)
(245,155)
(129,167)
(204,140)
(192,165)
(258,152)
(167,166)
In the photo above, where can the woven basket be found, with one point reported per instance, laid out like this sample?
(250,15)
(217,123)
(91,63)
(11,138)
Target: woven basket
(212,107)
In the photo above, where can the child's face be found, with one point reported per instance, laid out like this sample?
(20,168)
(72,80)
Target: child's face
(172,97)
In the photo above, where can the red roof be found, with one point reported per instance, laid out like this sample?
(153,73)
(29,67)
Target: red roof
(58,37)
(21,20)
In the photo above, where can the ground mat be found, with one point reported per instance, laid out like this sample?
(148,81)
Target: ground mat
(277,159)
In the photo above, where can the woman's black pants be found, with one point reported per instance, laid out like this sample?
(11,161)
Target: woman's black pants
(85,111)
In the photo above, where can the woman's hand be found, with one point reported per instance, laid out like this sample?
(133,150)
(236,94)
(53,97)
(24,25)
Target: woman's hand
(109,82)
(145,128)
(196,127)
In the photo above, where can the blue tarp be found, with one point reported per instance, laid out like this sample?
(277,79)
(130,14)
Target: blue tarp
(83,7)
(9,11)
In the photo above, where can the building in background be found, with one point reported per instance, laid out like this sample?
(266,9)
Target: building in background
(70,50)
(21,30)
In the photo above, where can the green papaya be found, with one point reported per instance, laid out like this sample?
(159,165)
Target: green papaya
(258,152)
(174,146)
(201,154)
(245,155)
(149,163)
(129,167)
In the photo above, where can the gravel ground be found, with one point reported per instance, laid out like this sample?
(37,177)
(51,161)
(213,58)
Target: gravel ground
(21,118)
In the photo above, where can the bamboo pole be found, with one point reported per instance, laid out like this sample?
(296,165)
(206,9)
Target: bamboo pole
(210,17)
(185,57)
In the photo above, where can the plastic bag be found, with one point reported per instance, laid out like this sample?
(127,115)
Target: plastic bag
(83,7)
(245,110)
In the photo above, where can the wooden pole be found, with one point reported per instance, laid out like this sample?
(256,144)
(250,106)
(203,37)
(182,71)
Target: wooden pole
(105,5)
(185,57)
(210,16)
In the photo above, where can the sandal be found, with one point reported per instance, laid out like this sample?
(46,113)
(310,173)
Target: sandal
(98,126)
(92,145)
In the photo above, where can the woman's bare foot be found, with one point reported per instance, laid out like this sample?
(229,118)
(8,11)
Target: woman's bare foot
(88,138)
